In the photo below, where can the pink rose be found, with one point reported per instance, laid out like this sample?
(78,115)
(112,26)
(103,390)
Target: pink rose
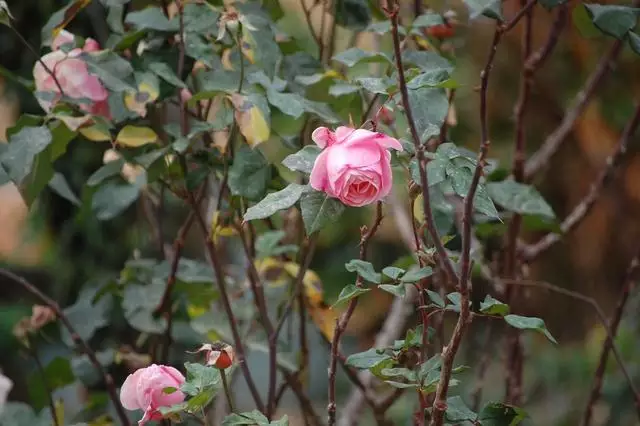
(354,165)
(144,390)
(73,75)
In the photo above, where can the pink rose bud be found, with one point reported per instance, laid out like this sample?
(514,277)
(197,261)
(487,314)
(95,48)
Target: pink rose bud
(150,388)
(385,115)
(354,165)
(90,45)
(73,77)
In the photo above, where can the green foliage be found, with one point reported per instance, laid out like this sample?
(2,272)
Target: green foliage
(364,269)
(250,173)
(319,210)
(275,202)
(349,292)
(489,8)
(254,418)
(529,323)
(519,198)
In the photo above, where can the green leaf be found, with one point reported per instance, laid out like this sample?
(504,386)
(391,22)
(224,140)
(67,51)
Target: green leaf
(85,371)
(457,411)
(529,323)
(57,374)
(303,160)
(267,242)
(342,89)
(165,72)
(384,27)
(353,14)
(364,269)
(202,377)
(436,298)
(60,186)
(428,62)
(112,168)
(499,414)
(318,210)
(489,8)
(429,107)
(634,42)
(5,14)
(249,174)
(429,366)
(491,306)
(461,178)
(87,316)
(354,55)
(249,418)
(583,22)
(291,104)
(111,69)
(275,202)
(112,199)
(20,414)
(519,198)
(378,85)
(613,20)
(415,275)
(348,293)
(151,18)
(398,290)
(367,359)
(393,272)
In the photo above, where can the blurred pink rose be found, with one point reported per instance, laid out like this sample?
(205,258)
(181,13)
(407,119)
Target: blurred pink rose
(144,390)
(72,74)
(354,165)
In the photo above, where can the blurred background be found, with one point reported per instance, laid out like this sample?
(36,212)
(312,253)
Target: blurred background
(60,248)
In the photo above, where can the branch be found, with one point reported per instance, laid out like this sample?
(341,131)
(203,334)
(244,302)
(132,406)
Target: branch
(579,212)
(449,353)
(554,140)
(341,323)
(611,328)
(514,347)
(79,341)
(444,260)
(609,345)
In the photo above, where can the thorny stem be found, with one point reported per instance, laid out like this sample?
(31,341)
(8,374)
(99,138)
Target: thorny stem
(610,327)
(84,347)
(38,58)
(341,323)
(443,259)
(609,345)
(579,212)
(165,303)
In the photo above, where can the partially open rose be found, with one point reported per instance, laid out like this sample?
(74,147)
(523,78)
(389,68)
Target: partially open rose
(73,76)
(147,390)
(354,165)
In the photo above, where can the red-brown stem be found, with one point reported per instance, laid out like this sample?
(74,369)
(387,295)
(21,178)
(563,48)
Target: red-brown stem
(629,284)
(341,323)
(449,353)
(32,350)
(209,244)
(613,324)
(514,347)
(579,212)
(79,341)
(443,259)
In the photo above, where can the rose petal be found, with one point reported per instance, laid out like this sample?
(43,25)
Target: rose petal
(366,136)
(323,137)
(319,179)
(129,391)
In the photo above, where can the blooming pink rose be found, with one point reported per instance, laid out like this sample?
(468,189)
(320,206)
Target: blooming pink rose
(144,390)
(73,75)
(354,165)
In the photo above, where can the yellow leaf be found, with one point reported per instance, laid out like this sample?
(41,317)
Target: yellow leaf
(248,45)
(135,136)
(311,281)
(325,319)
(73,123)
(59,409)
(71,11)
(274,267)
(195,311)
(252,123)
(96,133)
(103,420)
(137,101)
